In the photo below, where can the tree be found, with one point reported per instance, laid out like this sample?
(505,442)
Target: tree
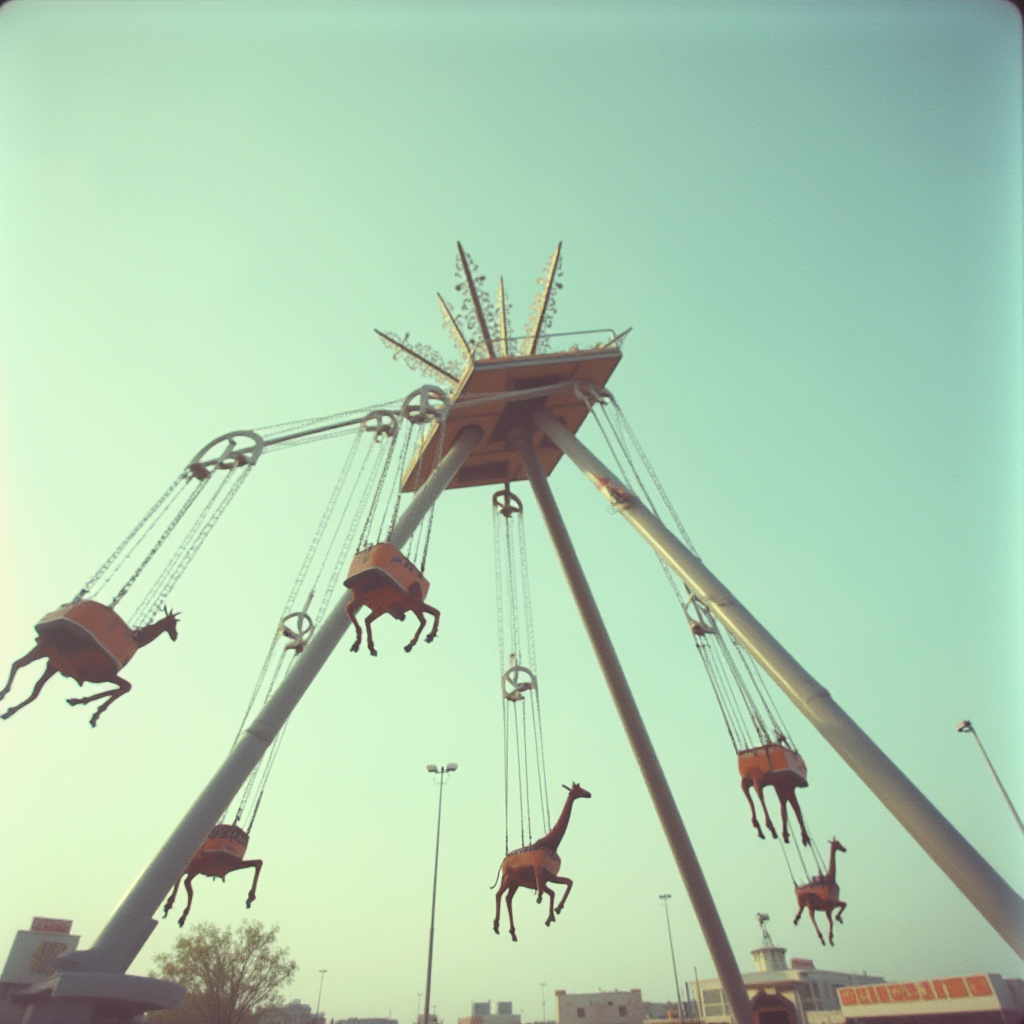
(232,977)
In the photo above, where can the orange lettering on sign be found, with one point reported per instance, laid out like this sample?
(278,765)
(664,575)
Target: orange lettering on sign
(911,990)
(926,989)
(940,989)
(956,987)
(897,993)
(883,993)
(979,985)
(848,997)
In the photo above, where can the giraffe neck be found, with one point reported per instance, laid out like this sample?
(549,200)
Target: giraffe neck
(554,837)
(831,876)
(147,634)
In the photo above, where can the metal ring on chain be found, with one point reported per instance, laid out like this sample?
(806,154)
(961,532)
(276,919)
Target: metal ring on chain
(232,455)
(299,633)
(511,688)
(425,404)
(380,422)
(507,503)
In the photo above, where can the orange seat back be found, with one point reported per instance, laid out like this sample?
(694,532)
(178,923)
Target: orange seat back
(384,566)
(88,629)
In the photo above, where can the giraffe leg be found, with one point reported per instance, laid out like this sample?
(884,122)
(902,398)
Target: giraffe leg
(508,903)
(764,807)
(810,913)
(538,883)
(123,686)
(171,898)
(753,811)
(842,907)
(804,837)
(567,882)
(783,795)
(369,635)
(799,912)
(350,610)
(437,622)
(419,615)
(34,655)
(50,670)
(497,906)
(258,865)
(551,906)
(188,906)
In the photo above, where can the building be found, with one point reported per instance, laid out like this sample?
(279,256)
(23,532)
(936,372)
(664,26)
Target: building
(32,959)
(295,1012)
(613,1007)
(805,994)
(481,1014)
(971,999)
(364,1020)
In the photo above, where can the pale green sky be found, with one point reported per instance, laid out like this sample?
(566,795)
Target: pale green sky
(809,213)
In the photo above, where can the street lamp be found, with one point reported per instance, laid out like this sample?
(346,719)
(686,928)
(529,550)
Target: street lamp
(966,726)
(442,776)
(665,897)
(321,992)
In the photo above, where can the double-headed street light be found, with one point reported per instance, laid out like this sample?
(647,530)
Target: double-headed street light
(442,777)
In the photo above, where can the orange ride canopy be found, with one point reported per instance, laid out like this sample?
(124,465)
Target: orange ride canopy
(86,638)
(385,570)
(773,762)
(225,839)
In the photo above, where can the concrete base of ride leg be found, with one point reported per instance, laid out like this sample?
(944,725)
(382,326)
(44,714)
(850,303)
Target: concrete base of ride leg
(96,997)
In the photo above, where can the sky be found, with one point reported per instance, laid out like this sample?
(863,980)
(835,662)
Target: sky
(810,216)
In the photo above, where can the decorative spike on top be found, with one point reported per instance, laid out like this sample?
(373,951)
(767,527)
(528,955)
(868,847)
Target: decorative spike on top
(543,309)
(454,329)
(476,299)
(502,317)
(421,357)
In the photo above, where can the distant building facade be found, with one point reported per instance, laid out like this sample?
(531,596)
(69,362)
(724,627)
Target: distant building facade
(811,995)
(968,999)
(613,1007)
(295,1012)
(481,1014)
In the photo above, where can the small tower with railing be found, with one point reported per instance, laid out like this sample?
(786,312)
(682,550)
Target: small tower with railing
(768,957)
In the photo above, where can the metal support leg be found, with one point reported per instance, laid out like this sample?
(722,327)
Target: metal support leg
(999,904)
(131,923)
(657,785)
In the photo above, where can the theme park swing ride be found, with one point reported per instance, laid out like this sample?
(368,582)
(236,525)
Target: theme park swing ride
(765,751)
(510,414)
(367,494)
(535,864)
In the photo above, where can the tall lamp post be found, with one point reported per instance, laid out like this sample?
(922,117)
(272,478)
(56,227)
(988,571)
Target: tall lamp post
(966,726)
(665,897)
(442,774)
(321,992)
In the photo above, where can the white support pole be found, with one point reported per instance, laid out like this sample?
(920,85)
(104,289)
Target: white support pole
(997,902)
(639,739)
(132,920)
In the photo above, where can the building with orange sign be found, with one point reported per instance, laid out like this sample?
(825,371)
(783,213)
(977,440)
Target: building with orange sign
(970,999)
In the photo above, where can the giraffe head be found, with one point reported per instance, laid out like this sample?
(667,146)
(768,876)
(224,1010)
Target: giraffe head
(836,845)
(576,791)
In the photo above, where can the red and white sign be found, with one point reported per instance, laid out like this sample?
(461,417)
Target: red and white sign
(51,924)
(939,995)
